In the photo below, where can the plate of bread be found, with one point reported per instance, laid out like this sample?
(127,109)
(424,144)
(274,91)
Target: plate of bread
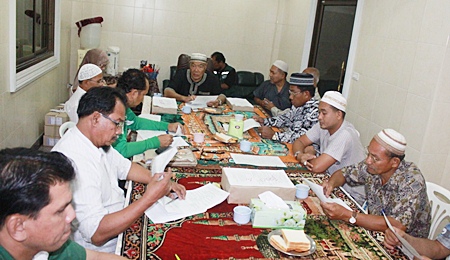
(292,242)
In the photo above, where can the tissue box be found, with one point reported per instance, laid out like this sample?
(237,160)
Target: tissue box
(245,184)
(265,217)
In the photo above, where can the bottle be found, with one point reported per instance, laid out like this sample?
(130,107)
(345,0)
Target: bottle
(236,127)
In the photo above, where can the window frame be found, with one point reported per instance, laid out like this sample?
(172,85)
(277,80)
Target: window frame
(18,80)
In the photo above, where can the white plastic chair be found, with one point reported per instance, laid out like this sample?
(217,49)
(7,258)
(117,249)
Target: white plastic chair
(440,209)
(64,127)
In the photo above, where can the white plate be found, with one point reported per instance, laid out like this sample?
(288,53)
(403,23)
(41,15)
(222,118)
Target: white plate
(311,250)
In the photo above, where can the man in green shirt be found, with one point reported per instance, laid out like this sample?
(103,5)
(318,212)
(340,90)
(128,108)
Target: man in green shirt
(135,85)
(36,210)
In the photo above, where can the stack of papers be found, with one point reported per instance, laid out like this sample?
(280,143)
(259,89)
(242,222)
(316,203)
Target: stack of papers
(257,160)
(197,201)
(240,104)
(318,190)
(200,101)
(163,105)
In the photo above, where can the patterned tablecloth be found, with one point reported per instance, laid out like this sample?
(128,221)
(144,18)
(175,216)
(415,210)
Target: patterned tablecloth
(214,234)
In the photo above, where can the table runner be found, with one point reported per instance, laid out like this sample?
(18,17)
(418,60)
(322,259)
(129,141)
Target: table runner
(214,234)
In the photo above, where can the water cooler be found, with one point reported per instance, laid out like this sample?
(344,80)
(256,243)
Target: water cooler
(113,56)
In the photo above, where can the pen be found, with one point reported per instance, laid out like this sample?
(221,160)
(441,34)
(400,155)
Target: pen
(177,257)
(174,198)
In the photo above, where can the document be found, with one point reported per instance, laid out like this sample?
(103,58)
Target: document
(200,101)
(261,178)
(406,247)
(146,134)
(163,105)
(318,190)
(160,161)
(250,123)
(146,105)
(197,201)
(241,104)
(258,160)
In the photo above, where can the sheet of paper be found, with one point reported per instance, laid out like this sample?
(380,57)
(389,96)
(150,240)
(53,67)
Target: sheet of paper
(151,117)
(197,201)
(165,102)
(406,247)
(256,177)
(258,160)
(179,131)
(200,101)
(242,102)
(146,105)
(178,141)
(272,200)
(160,162)
(318,190)
(250,123)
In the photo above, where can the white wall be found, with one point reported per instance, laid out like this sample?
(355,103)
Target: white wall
(403,58)
(251,34)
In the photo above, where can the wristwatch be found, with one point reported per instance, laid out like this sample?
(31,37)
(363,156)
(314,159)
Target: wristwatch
(352,220)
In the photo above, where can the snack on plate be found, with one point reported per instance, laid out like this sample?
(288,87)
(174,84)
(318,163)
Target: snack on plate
(224,138)
(292,240)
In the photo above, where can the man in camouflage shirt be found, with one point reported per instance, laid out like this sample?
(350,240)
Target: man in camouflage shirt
(392,185)
(300,118)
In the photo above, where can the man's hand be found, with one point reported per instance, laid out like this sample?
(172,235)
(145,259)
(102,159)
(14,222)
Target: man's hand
(327,188)
(179,189)
(213,103)
(390,240)
(258,119)
(304,160)
(190,98)
(157,188)
(335,211)
(266,132)
(165,140)
(267,104)
(172,127)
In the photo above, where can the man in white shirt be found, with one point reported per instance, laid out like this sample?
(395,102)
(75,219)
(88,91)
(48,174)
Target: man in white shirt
(89,76)
(338,141)
(98,200)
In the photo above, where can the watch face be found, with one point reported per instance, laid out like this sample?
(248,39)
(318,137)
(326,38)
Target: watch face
(352,220)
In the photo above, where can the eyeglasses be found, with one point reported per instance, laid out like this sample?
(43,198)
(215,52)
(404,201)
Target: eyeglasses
(100,81)
(117,123)
(294,93)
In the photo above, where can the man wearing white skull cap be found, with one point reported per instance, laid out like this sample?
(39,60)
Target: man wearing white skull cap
(393,186)
(337,139)
(89,76)
(273,94)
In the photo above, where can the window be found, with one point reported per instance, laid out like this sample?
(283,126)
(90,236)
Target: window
(34,40)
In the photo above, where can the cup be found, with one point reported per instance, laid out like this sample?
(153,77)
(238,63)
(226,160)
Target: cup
(245,146)
(187,109)
(241,214)
(199,137)
(239,117)
(301,191)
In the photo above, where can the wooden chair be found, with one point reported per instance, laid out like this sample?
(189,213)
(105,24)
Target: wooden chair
(440,208)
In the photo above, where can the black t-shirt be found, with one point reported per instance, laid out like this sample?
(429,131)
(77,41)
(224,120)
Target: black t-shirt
(228,76)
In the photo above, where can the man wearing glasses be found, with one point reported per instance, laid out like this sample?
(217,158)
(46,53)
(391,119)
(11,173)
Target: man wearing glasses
(393,186)
(97,198)
(89,76)
(300,118)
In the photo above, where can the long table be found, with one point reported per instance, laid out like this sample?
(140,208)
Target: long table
(214,234)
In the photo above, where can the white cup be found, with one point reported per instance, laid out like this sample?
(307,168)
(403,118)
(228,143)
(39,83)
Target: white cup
(301,191)
(245,146)
(239,117)
(199,137)
(241,214)
(187,109)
